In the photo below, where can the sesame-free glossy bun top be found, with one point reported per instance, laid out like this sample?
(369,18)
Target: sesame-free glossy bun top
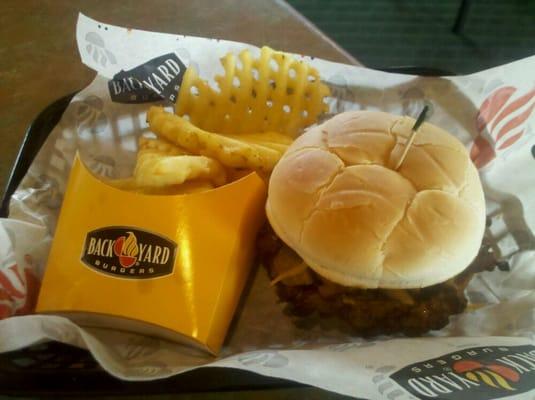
(335,198)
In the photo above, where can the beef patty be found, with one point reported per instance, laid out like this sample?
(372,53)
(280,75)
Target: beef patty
(369,311)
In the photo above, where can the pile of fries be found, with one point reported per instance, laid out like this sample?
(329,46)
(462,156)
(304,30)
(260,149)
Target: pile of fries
(217,136)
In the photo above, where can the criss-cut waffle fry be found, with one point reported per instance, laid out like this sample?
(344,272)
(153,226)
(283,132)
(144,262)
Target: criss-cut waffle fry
(273,93)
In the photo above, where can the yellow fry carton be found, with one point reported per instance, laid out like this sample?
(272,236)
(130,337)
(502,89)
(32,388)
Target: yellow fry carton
(171,266)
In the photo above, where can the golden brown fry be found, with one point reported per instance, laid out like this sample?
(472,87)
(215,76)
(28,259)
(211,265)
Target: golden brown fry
(229,151)
(265,137)
(154,170)
(235,174)
(159,146)
(256,138)
(128,184)
(275,92)
(193,186)
(164,168)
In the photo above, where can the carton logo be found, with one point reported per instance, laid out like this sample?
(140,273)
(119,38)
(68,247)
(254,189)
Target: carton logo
(128,252)
(126,249)
(476,373)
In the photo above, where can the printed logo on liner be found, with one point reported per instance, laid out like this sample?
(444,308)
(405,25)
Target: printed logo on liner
(481,373)
(128,252)
(502,120)
(157,79)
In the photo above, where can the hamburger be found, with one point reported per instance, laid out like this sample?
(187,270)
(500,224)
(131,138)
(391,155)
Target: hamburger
(354,235)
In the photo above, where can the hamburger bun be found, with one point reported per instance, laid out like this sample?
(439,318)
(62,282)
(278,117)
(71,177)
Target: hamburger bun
(337,201)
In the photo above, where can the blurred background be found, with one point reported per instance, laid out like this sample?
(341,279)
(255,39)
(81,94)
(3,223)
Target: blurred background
(382,33)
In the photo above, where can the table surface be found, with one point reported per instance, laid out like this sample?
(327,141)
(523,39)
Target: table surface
(39,59)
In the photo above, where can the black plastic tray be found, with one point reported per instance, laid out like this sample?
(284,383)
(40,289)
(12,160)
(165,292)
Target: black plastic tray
(54,369)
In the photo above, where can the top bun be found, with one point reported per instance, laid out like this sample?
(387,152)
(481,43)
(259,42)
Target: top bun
(335,198)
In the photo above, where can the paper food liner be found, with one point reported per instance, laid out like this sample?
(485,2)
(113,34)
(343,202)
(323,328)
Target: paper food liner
(491,112)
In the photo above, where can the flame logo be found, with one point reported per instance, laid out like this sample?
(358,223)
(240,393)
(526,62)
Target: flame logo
(500,122)
(493,375)
(126,249)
